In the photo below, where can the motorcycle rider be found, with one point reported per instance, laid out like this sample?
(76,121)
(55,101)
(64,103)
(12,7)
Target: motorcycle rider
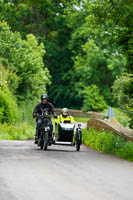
(45,104)
(64,116)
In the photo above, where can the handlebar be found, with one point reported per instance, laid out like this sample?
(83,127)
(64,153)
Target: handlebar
(45,113)
(44,116)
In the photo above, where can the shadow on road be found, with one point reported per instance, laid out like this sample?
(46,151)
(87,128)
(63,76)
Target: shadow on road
(59,150)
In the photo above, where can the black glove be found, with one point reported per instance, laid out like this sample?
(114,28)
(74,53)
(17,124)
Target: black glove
(34,115)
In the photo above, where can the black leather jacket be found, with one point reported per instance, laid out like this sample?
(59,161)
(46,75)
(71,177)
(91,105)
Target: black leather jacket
(39,107)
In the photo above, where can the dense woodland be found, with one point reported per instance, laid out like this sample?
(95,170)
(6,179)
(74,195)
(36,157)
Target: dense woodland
(79,51)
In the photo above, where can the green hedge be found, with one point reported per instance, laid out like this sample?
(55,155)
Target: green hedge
(108,143)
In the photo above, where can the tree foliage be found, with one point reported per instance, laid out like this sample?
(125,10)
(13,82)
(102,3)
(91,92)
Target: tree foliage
(86,43)
(93,100)
(24,61)
(47,20)
(99,67)
(122,94)
(9,111)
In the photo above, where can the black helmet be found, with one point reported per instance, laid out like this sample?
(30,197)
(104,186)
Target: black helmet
(44,96)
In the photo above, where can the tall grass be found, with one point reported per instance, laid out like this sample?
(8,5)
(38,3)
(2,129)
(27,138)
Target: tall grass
(24,128)
(22,131)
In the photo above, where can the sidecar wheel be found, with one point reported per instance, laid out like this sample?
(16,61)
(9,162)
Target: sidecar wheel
(77,145)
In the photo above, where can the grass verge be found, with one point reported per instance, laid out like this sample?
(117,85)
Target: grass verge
(108,143)
(80,119)
(22,131)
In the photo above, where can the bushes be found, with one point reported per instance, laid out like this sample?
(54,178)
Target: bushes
(126,151)
(108,143)
(11,115)
(8,107)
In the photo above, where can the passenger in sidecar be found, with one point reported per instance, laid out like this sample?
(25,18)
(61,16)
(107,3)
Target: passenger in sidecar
(65,117)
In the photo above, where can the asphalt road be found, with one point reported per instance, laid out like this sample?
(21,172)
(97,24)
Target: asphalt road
(61,173)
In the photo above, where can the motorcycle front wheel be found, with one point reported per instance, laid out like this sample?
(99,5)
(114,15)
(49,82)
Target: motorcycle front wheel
(41,144)
(45,146)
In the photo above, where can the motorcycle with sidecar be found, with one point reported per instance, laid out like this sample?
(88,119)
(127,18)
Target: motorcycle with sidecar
(64,134)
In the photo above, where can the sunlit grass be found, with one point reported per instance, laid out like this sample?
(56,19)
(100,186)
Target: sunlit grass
(80,119)
(22,131)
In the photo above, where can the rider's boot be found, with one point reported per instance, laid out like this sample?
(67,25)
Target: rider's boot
(36,138)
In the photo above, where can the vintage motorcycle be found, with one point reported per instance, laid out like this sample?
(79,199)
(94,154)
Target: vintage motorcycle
(45,137)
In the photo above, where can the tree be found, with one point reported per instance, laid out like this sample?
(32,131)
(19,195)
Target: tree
(93,101)
(24,59)
(46,19)
(69,30)
(98,56)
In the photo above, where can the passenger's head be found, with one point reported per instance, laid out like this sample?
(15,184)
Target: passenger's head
(44,98)
(65,112)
